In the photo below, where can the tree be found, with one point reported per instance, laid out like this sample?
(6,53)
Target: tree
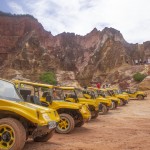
(48,77)
(139,76)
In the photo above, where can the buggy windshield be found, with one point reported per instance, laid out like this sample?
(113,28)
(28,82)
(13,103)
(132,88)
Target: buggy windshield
(111,92)
(9,92)
(79,93)
(93,94)
(103,93)
(115,91)
(57,94)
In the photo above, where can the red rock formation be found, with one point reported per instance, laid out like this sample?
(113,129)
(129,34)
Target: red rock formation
(26,47)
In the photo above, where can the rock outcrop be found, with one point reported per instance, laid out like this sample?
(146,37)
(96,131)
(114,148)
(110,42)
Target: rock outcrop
(28,50)
(145,84)
(123,76)
(67,78)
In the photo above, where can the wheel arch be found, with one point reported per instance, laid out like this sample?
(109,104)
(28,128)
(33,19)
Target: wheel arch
(139,95)
(104,103)
(8,114)
(75,113)
(142,96)
(91,107)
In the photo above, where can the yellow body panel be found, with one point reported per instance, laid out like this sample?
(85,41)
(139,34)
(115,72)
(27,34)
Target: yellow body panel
(135,94)
(29,120)
(105,101)
(34,113)
(102,100)
(31,112)
(120,96)
(59,104)
(112,98)
(82,100)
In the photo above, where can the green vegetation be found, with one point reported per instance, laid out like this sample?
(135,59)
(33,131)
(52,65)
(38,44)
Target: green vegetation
(16,15)
(138,76)
(48,77)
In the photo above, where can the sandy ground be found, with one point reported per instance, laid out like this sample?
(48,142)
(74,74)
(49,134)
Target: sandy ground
(125,128)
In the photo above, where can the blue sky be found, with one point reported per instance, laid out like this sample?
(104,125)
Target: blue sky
(130,17)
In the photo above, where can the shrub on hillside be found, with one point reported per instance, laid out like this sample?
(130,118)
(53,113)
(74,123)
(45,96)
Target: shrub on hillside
(138,76)
(48,77)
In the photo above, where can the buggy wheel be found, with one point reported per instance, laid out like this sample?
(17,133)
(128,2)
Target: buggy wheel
(12,134)
(66,124)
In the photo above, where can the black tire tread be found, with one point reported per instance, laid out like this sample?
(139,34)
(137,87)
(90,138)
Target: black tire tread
(104,110)
(44,138)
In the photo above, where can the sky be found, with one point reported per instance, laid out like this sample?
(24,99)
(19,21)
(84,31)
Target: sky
(130,17)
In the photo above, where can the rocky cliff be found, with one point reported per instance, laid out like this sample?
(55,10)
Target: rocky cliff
(27,50)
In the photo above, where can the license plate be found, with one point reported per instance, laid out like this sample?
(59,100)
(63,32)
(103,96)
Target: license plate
(52,125)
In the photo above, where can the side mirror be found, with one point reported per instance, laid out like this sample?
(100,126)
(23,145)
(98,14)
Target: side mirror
(49,99)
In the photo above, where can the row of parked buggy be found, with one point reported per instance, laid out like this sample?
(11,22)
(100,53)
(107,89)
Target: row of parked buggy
(35,110)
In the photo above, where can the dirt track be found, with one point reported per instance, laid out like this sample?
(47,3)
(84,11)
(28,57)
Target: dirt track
(126,128)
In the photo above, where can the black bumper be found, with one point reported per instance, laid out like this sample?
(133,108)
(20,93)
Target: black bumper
(42,130)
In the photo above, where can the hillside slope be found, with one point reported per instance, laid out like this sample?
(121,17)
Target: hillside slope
(26,49)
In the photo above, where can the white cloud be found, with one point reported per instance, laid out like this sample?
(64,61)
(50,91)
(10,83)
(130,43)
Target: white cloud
(16,8)
(131,17)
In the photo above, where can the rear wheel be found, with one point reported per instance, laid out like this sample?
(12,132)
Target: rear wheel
(44,138)
(66,124)
(121,102)
(140,97)
(79,124)
(113,106)
(103,110)
(124,102)
(95,115)
(12,134)
(116,104)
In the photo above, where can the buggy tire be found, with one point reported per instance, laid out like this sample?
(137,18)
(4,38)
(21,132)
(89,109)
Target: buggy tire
(66,124)
(13,134)
(140,97)
(104,110)
(113,106)
(121,102)
(116,105)
(44,138)
(79,124)
(96,114)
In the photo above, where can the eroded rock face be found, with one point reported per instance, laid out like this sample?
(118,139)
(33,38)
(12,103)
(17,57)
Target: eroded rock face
(67,78)
(145,84)
(27,48)
(123,76)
